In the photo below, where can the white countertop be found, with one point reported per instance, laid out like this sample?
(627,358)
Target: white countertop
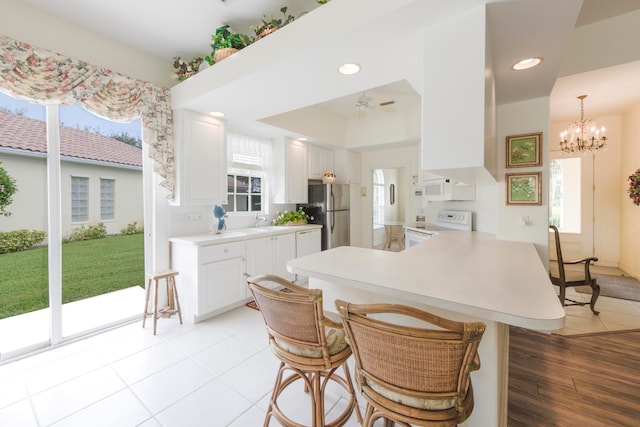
(228,236)
(471,273)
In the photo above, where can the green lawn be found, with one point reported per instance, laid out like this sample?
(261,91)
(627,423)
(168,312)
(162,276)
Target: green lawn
(89,268)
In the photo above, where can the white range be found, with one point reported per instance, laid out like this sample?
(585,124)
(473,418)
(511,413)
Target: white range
(445,221)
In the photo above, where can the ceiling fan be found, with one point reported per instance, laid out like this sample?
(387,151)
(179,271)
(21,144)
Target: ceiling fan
(364,103)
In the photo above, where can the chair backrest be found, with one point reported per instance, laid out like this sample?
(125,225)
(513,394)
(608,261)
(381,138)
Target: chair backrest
(294,315)
(556,235)
(424,363)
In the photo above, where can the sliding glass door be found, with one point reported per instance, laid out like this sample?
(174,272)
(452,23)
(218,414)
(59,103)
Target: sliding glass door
(79,201)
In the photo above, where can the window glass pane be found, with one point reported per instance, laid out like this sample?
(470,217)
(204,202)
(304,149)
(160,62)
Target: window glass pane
(256,184)
(565,191)
(242,184)
(231,184)
(79,199)
(230,206)
(107,199)
(242,203)
(256,203)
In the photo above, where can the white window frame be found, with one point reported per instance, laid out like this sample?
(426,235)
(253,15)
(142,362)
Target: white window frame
(378,198)
(107,204)
(79,211)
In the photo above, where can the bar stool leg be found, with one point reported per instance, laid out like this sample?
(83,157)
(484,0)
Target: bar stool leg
(155,306)
(175,295)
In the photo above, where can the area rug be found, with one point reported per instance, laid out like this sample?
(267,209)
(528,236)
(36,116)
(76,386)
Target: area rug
(622,287)
(252,304)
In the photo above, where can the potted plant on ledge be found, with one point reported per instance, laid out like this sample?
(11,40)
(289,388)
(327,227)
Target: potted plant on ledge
(226,43)
(270,24)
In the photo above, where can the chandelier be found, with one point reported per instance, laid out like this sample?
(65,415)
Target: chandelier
(582,136)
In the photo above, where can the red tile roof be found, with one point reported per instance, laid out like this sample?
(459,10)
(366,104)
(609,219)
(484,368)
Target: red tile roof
(25,133)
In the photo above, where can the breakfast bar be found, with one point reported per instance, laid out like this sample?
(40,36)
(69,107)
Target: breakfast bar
(463,276)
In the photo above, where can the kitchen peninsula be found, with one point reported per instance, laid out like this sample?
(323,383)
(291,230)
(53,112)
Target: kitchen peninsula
(463,276)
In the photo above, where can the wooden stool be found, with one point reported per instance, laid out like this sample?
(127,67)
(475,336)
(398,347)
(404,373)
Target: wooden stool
(173,304)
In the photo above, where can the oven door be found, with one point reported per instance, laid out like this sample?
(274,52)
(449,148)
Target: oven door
(412,237)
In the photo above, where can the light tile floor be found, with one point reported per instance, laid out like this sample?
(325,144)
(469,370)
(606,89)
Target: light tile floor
(615,314)
(215,373)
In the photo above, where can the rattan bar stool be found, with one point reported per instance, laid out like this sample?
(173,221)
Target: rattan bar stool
(311,348)
(173,303)
(412,376)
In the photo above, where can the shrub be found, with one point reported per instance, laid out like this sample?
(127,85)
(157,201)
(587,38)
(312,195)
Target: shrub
(91,232)
(7,188)
(132,229)
(20,240)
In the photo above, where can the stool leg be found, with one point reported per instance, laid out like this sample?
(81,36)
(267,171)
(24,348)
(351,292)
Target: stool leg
(175,295)
(155,307)
(146,303)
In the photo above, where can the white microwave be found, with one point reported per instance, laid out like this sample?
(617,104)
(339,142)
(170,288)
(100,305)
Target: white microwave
(447,189)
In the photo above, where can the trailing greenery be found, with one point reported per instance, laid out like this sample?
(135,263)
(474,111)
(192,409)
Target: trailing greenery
(20,240)
(132,229)
(89,268)
(97,231)
(225,38)
(7,188)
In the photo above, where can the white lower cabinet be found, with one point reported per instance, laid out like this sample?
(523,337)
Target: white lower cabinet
(210,274)
(269,255)
(222,285)
(209,278)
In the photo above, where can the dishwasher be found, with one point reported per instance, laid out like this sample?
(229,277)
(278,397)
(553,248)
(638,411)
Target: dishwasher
(307,242)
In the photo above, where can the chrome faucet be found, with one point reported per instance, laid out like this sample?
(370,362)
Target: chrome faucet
(258,219)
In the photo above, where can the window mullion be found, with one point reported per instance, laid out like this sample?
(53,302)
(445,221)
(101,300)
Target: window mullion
(55,222)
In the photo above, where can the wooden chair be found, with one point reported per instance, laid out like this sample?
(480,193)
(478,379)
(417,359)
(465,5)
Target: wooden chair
(394,233)
(308,344)
(412,375)
(568,278)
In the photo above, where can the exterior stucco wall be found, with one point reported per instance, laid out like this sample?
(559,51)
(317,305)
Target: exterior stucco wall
(29,207)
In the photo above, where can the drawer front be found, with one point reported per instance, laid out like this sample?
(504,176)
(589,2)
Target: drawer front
(214,253)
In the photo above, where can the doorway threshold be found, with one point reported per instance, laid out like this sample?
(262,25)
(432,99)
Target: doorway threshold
(30,332)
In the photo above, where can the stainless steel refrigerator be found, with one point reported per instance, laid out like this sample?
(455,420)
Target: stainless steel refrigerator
(329,205)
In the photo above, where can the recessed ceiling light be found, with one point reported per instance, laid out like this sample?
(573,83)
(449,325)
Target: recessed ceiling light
(349,68)
(525,64)
(217,113)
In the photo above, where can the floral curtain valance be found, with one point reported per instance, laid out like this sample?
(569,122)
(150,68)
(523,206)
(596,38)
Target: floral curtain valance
(44,77)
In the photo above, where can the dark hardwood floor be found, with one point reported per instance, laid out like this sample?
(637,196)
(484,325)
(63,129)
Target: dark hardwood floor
(574,381)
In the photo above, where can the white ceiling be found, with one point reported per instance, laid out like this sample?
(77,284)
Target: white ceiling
(168,28)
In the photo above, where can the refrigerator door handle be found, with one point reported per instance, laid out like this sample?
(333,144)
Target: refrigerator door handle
(333,219)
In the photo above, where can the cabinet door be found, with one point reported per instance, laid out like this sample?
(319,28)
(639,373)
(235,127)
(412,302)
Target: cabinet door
(296,164)
(319,161)
(259,257)
(290,171)
(201,169)
(284,250)
(221,285)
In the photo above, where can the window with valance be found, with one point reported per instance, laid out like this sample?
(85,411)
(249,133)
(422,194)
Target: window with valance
(44,77)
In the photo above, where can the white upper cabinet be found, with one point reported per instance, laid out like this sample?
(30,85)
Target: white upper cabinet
(290,171)
(320,161)
(201,159)
(347,164)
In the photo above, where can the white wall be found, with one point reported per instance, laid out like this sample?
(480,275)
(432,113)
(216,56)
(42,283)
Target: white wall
(516,119)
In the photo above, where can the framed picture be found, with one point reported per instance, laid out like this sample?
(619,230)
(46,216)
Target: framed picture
(524,150)
(524,188)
